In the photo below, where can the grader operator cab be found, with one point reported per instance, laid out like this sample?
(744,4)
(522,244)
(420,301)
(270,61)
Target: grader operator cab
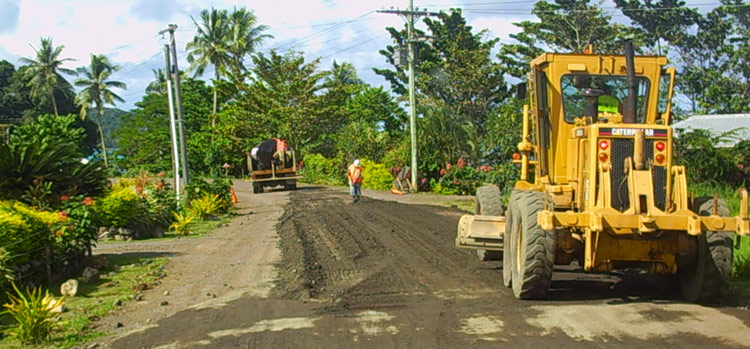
(598,143)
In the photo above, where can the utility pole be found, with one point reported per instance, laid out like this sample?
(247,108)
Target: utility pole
(178,98)
(410,15)
(172,130)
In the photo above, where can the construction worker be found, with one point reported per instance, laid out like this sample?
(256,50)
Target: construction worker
(607,102)
(354,174)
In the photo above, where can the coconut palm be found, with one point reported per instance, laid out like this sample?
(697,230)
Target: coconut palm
(97,91)
(343,74)
(159,85)
(245,36)
(44,72)
(210,45)
(224,40)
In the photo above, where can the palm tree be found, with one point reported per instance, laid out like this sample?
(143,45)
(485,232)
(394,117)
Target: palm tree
(97,91)
(210,45)
(245,36)
(224,40)
(43,73)
(159,83)
(343,74)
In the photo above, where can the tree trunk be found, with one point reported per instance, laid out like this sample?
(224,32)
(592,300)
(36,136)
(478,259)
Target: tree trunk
(101,137)
(54,103)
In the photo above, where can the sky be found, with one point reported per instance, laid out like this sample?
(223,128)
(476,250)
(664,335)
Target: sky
(127,31)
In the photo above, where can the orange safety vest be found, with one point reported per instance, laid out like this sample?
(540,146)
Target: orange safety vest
(355,174)
(280,145)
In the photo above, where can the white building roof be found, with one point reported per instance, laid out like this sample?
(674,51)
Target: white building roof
(717,125)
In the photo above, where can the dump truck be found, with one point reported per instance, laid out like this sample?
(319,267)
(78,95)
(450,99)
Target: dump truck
(598,184)
(272,163)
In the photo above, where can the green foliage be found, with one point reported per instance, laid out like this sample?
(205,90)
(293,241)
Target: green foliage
(205,206)
(118,207)
(50,129)
(81,229)
(26,168)
(43,74)
(707,163)
(460,179)
(144,138)
(459,87)
(24,230)
(219,187)
(317,169)
(376,176)
(563,26)
(6,272)
(183,222)
(34,315)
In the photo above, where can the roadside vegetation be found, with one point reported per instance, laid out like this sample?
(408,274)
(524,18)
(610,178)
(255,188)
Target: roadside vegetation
(468,127)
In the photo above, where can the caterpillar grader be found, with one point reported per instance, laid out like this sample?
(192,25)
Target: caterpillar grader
(598,184)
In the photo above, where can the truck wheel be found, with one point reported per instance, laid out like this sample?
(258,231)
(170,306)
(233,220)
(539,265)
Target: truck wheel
(709,269)
(488,203)
(511,226)
(532,250)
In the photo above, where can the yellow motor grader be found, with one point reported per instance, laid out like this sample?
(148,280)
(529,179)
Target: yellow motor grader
(598,184)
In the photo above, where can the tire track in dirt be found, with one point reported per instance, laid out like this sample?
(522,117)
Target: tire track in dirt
(372,254)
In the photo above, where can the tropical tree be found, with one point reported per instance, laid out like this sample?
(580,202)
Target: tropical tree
(159,84)
(44,72)
(245,36)
(210,46)
(563,26)
(223,41)
(97,91)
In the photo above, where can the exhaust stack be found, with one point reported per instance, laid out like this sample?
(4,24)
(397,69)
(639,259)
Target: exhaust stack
(628,109)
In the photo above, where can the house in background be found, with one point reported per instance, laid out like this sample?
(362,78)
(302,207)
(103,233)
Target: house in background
(717,125)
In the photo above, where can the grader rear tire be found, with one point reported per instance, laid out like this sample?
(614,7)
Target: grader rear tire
(532,249)
(511,226)
(488,203)
(710,270)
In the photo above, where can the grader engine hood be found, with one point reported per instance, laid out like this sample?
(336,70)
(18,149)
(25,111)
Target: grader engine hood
(629,185)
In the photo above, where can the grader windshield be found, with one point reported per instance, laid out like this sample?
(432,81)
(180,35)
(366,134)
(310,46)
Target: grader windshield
(614,91)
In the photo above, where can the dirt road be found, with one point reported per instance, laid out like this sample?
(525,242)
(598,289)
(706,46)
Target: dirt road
(329,273)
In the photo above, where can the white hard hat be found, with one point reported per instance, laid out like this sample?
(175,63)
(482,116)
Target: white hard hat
(356,162)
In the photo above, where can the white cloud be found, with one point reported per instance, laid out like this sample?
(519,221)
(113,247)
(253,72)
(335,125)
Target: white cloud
(126,31)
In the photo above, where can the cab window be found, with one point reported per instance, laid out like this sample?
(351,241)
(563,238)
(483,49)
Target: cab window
(615,92)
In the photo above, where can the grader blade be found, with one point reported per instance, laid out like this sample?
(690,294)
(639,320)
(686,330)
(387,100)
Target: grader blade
(485,232)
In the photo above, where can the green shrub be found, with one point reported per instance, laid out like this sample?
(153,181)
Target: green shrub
(118,207)
(183,222)
(23,229)
(220,187)
(318,169)
(376,176)
(460,179)
(34,315)
(205,206)
(55,162)
(81,229)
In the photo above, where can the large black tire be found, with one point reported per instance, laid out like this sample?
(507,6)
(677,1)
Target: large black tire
(532,249)
(710,269)
(257,189)
(511,225)
(488,203)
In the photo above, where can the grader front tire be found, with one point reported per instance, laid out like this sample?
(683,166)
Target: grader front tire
(488,203)
(710,269)
(511,225)
(532,250)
